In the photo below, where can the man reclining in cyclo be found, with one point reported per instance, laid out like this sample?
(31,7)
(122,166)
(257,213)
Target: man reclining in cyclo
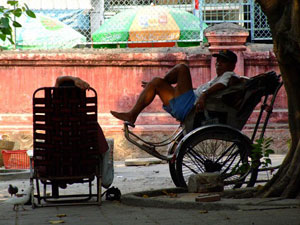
(178,100)
(181,99)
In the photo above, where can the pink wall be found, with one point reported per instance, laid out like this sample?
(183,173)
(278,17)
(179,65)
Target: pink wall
(116,76)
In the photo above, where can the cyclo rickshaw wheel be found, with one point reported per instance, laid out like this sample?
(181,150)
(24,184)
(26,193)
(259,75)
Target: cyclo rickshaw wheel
(215,148)
(172,163)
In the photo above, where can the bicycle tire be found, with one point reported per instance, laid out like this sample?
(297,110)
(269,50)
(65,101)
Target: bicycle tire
(214,149)
(172,162)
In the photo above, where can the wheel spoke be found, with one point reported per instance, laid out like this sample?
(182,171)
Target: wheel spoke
(192,157)
(196,154)
(231,159)
(229,167)
(190,168)
(226,152)
(219,149)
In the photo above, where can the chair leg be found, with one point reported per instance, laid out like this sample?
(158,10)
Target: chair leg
(45,190)
(90,188)
(31,180)
(38,190)
(99,190)
(55,191)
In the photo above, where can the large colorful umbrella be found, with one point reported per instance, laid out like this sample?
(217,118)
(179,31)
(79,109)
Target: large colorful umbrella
(44,32)
(154,25)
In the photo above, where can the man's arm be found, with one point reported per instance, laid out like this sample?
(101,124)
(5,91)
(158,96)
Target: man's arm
(77,82)
(61,79)
(212,90)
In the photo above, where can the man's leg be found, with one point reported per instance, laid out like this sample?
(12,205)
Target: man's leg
(159,86)
(183,79)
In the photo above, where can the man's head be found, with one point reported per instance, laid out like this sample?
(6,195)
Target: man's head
(226,61)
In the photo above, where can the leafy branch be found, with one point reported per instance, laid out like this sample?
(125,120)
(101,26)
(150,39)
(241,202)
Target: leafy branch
(261,152)
(260,156)
(7,18)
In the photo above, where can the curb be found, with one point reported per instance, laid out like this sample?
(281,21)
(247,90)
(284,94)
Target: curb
(158,199)
(138,199)
(14,174)
(142,161)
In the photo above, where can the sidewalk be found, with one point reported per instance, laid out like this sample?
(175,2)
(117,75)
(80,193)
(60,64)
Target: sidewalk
(159,209)
(114,213)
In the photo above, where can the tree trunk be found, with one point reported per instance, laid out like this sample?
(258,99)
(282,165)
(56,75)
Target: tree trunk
(284,21)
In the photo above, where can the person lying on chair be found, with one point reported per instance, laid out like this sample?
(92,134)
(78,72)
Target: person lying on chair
(179,100)
(77,82)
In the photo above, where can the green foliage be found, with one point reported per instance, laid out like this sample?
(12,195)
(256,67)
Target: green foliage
(261,152)
(260,156)
(289,143)
(8,17)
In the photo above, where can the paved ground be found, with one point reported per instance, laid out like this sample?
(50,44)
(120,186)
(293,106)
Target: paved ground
(119,214)
(153,177)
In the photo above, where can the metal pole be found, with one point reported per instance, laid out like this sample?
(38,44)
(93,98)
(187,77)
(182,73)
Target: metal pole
(97,14)
(200,10)
(15,31)
(252,26)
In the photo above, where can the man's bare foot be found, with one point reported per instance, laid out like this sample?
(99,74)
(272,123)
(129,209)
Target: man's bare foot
(125,116)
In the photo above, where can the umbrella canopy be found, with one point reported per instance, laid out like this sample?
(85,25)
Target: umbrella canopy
(150,24)
(44,32)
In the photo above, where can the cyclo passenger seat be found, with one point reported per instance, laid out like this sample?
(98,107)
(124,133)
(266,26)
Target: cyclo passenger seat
(234,105)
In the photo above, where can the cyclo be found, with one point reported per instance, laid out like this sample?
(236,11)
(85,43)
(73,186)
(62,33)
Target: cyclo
(213,141)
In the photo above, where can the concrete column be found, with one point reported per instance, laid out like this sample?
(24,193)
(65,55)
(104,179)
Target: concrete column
(97,15)
(227,36)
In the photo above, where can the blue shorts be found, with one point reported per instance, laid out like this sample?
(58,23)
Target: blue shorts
(180,106)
